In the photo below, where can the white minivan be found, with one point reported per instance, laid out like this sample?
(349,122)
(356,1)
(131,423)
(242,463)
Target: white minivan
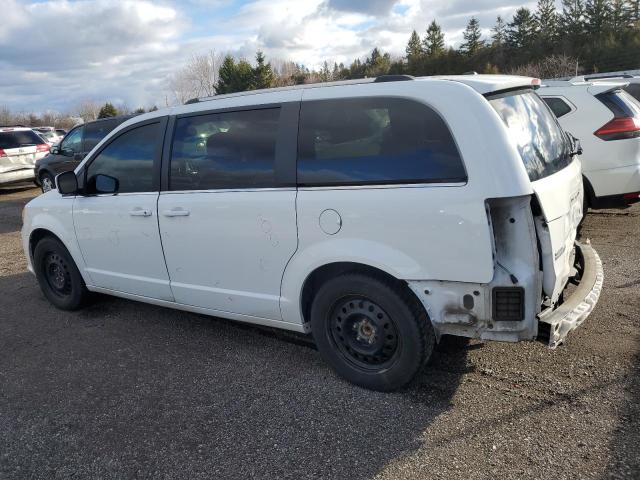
(378,215)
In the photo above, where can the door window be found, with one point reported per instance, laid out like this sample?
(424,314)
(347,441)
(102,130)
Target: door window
(73,141)
(375,141)
(129,158)
(225,150)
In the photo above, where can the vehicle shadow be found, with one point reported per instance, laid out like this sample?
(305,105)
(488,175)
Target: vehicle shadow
(11,206)
(123,389)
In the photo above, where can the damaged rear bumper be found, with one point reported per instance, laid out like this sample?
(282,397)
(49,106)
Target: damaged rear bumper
(577,307)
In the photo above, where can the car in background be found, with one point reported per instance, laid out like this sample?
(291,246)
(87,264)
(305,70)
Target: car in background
(72,149)
(20,148)
(50,137)
(61,132)
(606,120)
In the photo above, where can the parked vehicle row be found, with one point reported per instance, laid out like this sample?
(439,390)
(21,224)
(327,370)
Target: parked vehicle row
(378,215)
(20,148)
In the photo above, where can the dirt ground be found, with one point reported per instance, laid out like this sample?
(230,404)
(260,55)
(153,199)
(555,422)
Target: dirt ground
(127,390)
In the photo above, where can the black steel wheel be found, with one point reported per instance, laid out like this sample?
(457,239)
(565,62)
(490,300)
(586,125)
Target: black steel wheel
(372,330)
(57,274)
(363,332)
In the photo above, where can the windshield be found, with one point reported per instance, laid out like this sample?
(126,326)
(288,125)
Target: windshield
(542,143)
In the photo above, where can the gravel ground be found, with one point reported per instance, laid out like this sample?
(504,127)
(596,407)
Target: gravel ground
(127,390)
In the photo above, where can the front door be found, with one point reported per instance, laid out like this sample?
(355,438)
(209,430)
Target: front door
(228,221)
(118,234)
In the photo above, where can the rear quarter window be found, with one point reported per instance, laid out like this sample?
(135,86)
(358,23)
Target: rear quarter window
(378,140)
(540,140)
(19,138)
(558,106)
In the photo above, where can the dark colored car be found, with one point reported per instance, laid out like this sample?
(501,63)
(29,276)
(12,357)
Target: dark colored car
(72,149)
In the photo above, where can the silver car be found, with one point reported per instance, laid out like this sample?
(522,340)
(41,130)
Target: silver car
(20,147)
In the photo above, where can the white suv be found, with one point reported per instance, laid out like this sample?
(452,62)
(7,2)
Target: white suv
(377,214)
(606,119)
(20,147)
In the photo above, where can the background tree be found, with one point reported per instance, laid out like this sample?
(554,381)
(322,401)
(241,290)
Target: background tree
(522,29)
(262,73)
(413,51)
(572,22)
(598,17)
(108,110)
(546,19)
(499,33)
(433,43)
(472,38)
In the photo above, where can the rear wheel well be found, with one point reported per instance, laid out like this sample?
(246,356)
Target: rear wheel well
(326,272)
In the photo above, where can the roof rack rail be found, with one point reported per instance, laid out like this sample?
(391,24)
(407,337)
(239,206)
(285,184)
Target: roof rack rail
(393,78)
(611,75)
(192,100)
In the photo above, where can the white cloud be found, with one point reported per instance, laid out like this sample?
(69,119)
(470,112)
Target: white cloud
(57,52)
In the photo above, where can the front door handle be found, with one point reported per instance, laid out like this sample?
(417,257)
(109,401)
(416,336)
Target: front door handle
(140,212)
(176,212)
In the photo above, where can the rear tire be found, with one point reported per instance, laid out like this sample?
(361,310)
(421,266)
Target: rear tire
(372,331)
(58,275)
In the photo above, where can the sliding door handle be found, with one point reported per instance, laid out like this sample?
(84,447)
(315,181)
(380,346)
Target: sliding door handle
(140,212)
(176,212)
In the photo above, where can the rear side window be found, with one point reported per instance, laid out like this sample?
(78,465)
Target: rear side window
(541,141)
(225,150)
(558,106)
(375,141)
(95,132)
(19,138)
(633,89)
(129,158)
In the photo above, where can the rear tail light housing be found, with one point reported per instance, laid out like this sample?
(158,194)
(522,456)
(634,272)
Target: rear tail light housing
(42,148)
(2,153)
(626,116)
(619,128)
(632,196)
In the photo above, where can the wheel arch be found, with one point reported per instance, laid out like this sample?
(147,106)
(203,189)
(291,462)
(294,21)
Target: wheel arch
(324,273)
(37,235)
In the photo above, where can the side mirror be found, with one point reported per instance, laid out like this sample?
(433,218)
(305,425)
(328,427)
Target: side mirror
(105,184)
(55,150)
(67,183)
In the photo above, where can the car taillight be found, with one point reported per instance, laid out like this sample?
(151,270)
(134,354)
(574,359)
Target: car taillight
(632,196)
(42,148)
(2,154)
(619,128)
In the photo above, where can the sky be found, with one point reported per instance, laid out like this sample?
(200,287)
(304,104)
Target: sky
(54,54)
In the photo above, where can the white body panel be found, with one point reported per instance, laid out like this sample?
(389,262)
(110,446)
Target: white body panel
(230,251)
(612,167)
(119,240)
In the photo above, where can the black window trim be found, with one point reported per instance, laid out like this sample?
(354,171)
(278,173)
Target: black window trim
(572,107)
(460,181)
(286,145)
(162,121)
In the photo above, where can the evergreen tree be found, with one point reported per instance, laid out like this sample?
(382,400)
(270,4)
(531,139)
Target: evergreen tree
(377,64)
(235,77)
(499,36)
(572,20)
(546,22)
(598,18)
(262,74)
(472,38)
(522,29)
(620,17)
(139,111)
(108,110)
(433,43)
(414,47)
(633,7)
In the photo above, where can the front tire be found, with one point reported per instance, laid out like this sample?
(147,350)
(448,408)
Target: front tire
(58,275)
(372,331)
(47,182)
